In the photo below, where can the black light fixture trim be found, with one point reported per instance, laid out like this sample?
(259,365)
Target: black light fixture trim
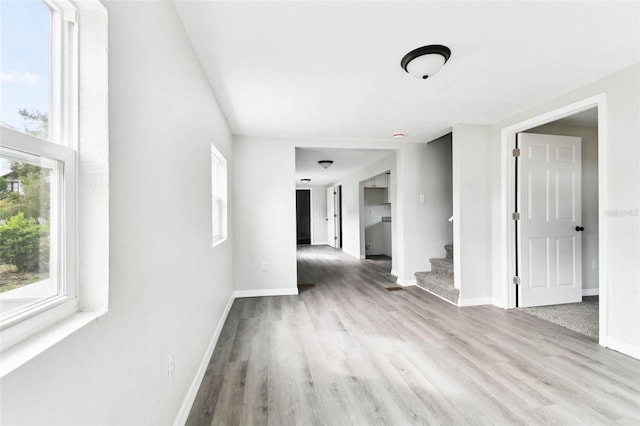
(325,163)
(305,180)
(437,49)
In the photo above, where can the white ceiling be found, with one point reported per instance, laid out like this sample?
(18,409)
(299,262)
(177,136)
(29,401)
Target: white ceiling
(332,69)
(345,162)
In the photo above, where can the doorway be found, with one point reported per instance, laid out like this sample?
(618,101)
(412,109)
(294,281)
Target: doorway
(334,216)
(563,121)
(303,216)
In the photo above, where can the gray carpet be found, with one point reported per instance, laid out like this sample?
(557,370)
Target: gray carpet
(579,317)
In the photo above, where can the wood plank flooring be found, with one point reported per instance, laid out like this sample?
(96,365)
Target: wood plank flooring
(347,352)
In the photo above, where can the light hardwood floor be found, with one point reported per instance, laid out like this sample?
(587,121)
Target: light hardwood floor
(348,352)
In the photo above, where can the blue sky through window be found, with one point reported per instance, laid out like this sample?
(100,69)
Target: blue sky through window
(25,28)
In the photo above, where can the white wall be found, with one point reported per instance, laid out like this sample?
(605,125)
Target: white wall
(471,212)
(265,208)
(425,169)
(168,287)
(589,195)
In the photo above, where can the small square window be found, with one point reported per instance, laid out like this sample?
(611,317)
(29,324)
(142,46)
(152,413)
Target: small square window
(218,197)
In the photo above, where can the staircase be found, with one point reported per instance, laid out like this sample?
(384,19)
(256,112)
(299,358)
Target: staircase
(440,280)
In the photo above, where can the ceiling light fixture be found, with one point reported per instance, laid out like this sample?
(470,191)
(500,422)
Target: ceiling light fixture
(305,180)
(425,61)
(325,163)
(398,135)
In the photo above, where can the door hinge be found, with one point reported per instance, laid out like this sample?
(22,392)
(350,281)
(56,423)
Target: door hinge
(516,152)
(335,215)
(335,238)
(515,215)
(516,280)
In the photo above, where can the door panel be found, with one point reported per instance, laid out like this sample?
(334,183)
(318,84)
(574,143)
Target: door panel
(550,261)
(331,221)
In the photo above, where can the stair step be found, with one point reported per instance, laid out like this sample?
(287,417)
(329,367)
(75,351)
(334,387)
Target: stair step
(449,249)
(442,266)
(440,285)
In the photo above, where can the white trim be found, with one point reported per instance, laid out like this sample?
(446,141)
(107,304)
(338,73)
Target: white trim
(190,397)
(437,295)
(320,243)
(506,297)
(406,283)
(394,273)
(590,291)
(238,294)
(477,301)
(620,346)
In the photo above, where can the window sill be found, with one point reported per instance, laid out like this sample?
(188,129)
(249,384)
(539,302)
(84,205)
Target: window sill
(21,353)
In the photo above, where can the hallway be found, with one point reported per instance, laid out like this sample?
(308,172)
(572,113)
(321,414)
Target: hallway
(346,351)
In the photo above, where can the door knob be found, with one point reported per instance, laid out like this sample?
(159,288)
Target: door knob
(579,228)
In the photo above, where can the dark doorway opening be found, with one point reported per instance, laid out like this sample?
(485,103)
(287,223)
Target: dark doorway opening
(303,216)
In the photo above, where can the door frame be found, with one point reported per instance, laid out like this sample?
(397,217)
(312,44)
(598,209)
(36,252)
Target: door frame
(508,193)
(310,212)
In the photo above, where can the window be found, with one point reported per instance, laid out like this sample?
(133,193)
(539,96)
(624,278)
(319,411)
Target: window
(43,189)
(218,197)
(37,222)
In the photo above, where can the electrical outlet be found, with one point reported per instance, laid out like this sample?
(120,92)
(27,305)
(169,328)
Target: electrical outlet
(171,368)
(368,247)
(264,267)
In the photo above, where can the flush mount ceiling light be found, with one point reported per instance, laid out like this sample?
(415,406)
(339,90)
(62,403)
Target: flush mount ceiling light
(398,135)
(325,163)
(305,180)
(425,61)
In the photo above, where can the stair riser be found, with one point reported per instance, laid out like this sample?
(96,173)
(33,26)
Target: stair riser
(449,251)
(451,295)
(441,268)
(438,284)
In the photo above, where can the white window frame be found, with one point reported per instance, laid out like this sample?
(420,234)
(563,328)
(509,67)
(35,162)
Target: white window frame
(218,197)
(78,142)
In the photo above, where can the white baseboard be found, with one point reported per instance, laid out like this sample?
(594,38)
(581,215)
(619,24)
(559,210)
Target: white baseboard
(265,292)
(476,301)
(187,403)
(321,243)
(590,291)
(406,283)
(437,295)
(622,347)
(394,273)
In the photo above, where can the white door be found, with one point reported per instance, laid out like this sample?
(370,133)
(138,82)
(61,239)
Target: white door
(550,255)
(331,218)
